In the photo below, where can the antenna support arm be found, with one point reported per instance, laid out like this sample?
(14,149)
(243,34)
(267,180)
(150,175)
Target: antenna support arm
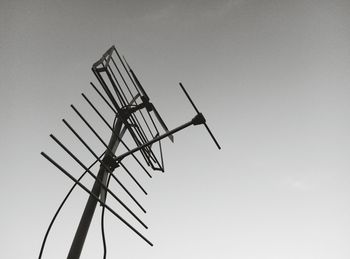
(198,119)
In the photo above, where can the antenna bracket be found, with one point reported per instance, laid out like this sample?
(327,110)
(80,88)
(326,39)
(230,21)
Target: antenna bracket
(110,162)
(198,119)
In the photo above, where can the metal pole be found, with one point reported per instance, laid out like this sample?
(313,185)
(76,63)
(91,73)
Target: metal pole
(83,228)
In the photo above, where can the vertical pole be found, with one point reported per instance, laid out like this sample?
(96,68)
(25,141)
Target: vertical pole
(86,218)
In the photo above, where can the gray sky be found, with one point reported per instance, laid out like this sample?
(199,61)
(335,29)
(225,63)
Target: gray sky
(272,78)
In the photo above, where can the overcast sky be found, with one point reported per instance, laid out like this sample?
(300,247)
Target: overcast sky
(272,78)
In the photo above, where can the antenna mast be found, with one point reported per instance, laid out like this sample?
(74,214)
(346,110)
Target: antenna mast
(133,114)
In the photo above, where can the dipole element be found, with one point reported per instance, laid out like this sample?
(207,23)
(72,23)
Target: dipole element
(202,122)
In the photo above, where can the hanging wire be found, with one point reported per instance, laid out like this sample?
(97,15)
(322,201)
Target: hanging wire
(61,206)
(103,223)
(95,197)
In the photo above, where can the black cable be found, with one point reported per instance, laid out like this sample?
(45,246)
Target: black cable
(103,223)
(60,207)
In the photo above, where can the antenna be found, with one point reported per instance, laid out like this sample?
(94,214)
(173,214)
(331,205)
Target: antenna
(133,115)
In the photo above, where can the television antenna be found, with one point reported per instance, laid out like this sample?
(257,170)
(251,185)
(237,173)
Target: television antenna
(133,114)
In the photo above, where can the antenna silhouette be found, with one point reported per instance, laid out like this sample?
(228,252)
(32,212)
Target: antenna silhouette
(133,114)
